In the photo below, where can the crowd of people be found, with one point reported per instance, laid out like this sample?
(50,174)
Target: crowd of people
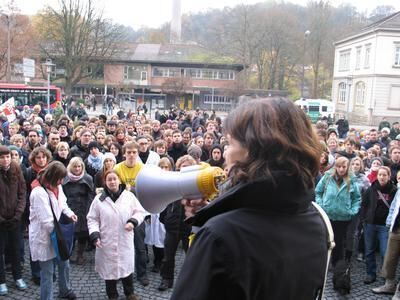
(84,168)
(357,185)
(95,156)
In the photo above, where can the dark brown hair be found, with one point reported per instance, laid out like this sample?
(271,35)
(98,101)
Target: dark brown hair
(278,137)
(53,173)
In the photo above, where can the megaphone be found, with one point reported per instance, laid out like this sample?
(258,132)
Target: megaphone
(156,188)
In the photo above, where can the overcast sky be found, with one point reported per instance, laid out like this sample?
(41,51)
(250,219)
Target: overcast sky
(153,13)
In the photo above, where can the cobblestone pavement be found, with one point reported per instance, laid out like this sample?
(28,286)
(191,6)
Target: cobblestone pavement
(88,285)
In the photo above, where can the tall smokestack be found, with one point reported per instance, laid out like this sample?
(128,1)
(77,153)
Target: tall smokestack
(176,26)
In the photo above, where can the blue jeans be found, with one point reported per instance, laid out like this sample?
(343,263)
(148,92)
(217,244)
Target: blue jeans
(374,234)
(46,278)
(140,251)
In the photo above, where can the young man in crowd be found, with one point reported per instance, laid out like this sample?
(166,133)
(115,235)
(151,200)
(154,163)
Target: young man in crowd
(127,171)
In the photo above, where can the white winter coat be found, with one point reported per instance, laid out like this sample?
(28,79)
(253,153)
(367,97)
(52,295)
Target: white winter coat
(116,258)
(153,159)
(155,232)
(42,221)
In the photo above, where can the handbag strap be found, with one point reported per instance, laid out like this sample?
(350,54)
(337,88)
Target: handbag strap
(330,243)
(383,199)
(51,206)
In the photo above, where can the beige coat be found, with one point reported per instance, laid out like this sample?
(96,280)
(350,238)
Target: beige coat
(42,221)
(116,258)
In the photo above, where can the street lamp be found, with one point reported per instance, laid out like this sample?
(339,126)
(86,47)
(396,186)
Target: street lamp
(306,34)
(49,65)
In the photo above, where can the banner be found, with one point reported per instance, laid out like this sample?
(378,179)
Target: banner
(8,109)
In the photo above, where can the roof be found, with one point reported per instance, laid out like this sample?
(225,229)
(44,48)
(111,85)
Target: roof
(172,53)
(389,23)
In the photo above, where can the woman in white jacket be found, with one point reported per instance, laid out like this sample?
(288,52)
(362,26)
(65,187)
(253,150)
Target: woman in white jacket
(47,188)
(111,219)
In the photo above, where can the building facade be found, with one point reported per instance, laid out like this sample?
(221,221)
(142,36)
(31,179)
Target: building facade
(366,79)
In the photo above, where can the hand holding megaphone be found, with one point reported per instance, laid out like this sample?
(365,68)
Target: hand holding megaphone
(156,188)
(191,206)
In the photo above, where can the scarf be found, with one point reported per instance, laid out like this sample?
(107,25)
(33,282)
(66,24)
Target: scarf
(75,178)
(144,156)
(37,169)
(96,162)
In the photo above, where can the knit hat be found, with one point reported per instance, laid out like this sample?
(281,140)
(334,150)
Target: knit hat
(109,155)
(4,150)
(216,146)
(194,151)
(15,148)
(93,144)
(332,129)
(377,158)
(385,129)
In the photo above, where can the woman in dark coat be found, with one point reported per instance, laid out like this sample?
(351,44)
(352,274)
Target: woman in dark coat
(374,211)
(79,189)
(262,238)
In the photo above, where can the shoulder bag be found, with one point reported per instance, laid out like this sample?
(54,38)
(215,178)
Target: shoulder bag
(62,237)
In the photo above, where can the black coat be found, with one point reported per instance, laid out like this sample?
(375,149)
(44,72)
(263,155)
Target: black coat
(173,218)
(79,150)
(373,210)
(177,150)
(80,195)
(256,241)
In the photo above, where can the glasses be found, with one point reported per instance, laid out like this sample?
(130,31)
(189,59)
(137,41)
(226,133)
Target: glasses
(143,144)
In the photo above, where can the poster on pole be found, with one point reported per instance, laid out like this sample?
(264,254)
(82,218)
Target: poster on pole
(28,66)
(8,109)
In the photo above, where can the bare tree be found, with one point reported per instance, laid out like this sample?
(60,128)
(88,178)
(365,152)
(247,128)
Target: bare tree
(75,35)
(22,41)
(177,86)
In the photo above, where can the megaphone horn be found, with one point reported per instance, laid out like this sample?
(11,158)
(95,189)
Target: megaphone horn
(156,188)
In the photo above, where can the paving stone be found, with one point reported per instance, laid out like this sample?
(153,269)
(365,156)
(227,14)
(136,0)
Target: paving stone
(88,285)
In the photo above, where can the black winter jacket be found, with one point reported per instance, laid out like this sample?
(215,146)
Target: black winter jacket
(256,241)
(373,209)
(80,195)
(79,150)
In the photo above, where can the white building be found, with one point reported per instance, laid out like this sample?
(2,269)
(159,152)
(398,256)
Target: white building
(366,78)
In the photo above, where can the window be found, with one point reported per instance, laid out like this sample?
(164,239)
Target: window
(134,72)
(218,99)
(358,58)
(394,100)
(210,74)
(342,93)
(344,60)
(166,72)
(397,55)
(367,55)
(360,93)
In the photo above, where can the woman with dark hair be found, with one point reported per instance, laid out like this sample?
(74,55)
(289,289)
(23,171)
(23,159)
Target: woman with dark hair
(111,219)
(47,194)
(116,149)
(261,238)
(374,211)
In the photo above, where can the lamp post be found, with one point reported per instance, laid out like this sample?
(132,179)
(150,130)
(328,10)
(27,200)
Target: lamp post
(306,34)
(49,66)
(8,70)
